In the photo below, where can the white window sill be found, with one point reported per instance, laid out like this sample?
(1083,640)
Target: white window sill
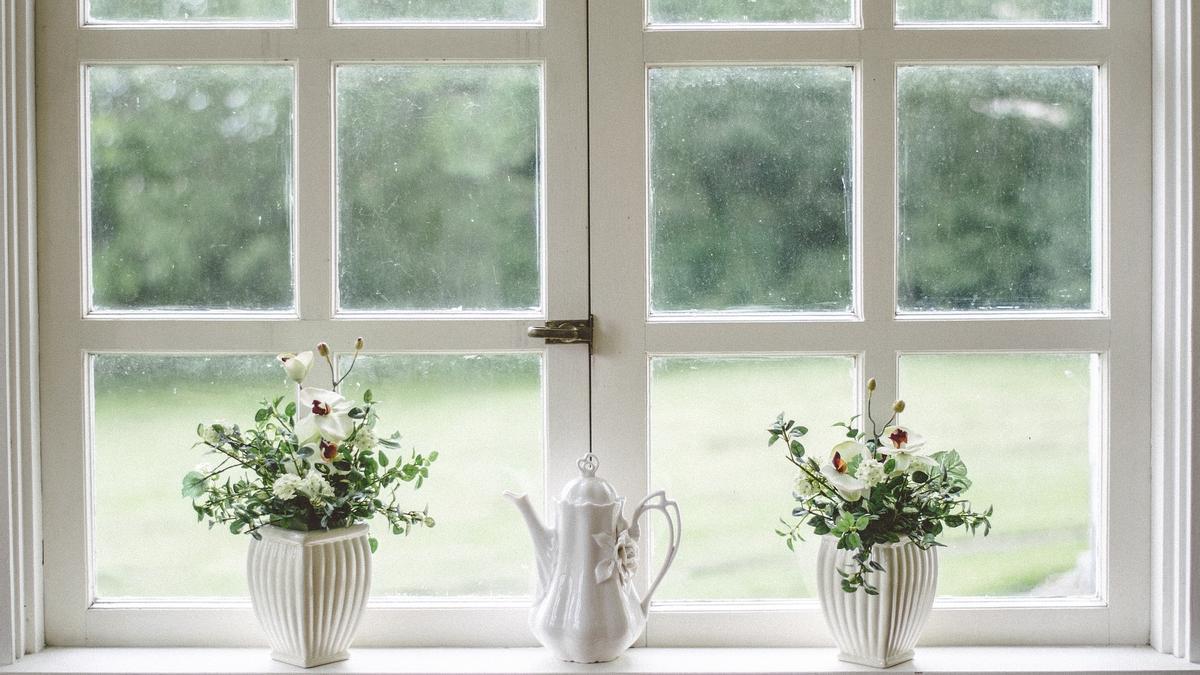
(928,659)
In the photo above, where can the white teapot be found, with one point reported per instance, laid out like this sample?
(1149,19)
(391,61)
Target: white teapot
(585,608)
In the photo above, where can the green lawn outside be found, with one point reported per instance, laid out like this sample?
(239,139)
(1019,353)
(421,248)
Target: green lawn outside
(1021,423)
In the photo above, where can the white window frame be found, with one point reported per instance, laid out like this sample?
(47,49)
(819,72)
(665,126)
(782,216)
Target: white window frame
(623,48)
(1174,610)
(314,47)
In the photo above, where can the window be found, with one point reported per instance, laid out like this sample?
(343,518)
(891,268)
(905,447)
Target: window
(762,203)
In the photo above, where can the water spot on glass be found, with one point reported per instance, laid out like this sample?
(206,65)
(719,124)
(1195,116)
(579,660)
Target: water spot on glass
(197,101)
(236,98)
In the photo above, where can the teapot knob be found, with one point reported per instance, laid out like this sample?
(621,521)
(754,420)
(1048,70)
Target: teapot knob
(588,464)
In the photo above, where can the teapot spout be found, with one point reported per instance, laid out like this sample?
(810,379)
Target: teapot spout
(543,538)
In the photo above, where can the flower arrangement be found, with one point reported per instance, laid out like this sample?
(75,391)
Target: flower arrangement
(877,487)
(314,463)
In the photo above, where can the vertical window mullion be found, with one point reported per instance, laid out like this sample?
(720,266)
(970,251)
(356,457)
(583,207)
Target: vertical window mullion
(315,238)
(876,190)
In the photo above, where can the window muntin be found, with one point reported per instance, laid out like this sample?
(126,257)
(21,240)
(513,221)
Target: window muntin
(439,187)
(190,187)
(751,189)
(997,188)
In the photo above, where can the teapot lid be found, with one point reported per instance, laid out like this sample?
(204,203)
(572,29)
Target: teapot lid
(588,488)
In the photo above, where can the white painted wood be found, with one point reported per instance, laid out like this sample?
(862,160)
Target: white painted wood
(314,47)
(824,660)
(20,554)
(1175,597)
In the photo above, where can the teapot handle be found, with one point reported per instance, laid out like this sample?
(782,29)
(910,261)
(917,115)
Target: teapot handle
(658,501)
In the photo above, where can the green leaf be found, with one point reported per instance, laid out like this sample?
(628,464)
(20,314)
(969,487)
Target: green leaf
(262,415)
(791,545)
(800,431)
(797,448)
(771,441)
(433,456)
(368,397)
(383,459)
(373,541)
(290,410)
(193,484)
(357,413)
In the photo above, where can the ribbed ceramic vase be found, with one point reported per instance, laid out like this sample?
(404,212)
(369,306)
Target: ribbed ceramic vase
(309,590)
(878,630)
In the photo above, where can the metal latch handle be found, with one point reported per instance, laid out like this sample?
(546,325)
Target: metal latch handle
(574,331)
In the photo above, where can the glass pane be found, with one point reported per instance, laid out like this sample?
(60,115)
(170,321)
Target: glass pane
(189,11)
(479,536)
(191,183)
(709,453)
(750,188)
(438,187)
(438,11)
(146,412)
(995,177)
(995,11)
(749,11)
(1025,426)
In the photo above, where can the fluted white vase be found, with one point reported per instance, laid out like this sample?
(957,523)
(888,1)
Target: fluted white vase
(309,590)
(878,630)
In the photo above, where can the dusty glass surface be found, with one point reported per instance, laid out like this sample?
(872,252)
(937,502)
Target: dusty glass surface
(437,11)
(146,411)
(189,11)
(708,450)
(190,186)
(1023,425)
(750,188)
(438,187)
(483,414)
(995,11)
(748,11)
(995,179)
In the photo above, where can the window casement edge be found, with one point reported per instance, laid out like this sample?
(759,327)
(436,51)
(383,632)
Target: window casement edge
(1175,533)
(20,499)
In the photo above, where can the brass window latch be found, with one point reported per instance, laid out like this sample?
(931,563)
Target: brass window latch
(572,331)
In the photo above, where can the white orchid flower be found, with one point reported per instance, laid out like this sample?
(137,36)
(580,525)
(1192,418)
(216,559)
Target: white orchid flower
(324,416)
(906,448)
(849,487)
(296,365)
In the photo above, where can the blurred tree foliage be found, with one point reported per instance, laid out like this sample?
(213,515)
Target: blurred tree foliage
(749,11)
(438,188)
(433,10)
(752,179)
(190,10)
(190,185)
(995,187)
(994,10)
